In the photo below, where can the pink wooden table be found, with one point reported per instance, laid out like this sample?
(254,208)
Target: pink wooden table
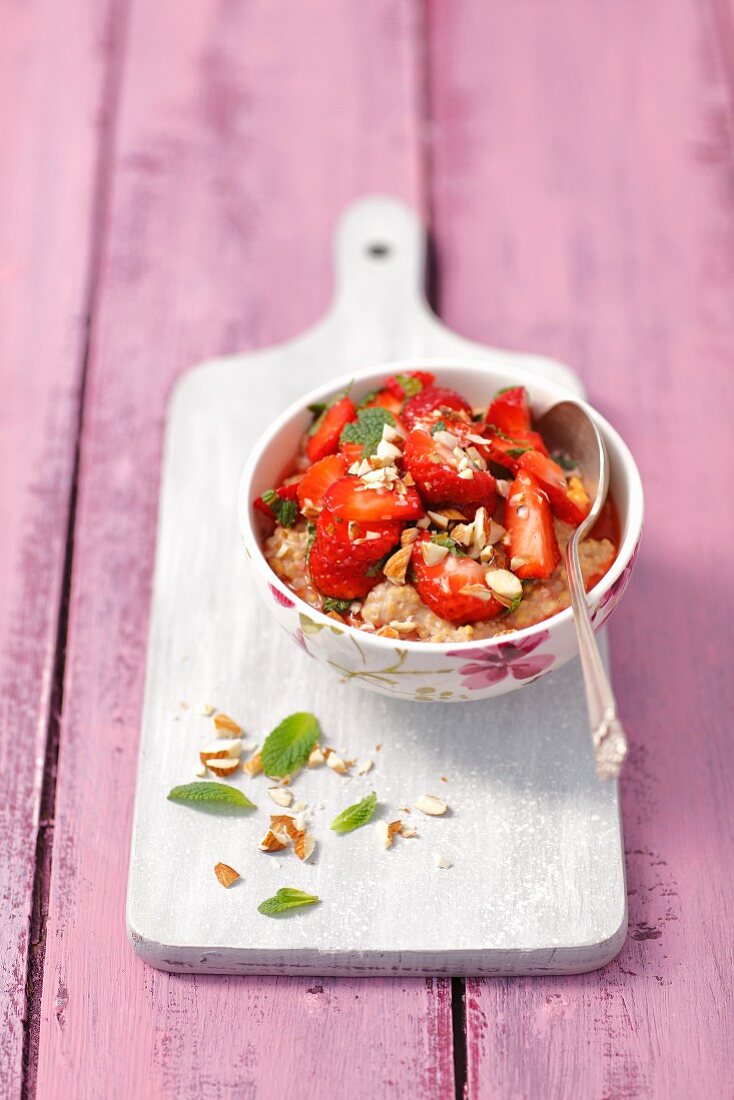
(170,177)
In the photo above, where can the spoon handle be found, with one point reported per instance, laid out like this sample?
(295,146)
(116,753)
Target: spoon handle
(607,732)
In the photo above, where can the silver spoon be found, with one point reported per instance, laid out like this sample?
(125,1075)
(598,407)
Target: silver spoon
(567,427)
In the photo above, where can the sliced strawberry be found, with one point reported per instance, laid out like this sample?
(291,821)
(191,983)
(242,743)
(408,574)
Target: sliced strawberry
(383,399)
(323,436)
(434,468)
(339,580)
(420,407)
(287,493)
(352,543)
(510,411)
(349,498)
(453,588)
(408,385)
(317,479)
(529,521)
(507,452)
(351,452)
(572,506)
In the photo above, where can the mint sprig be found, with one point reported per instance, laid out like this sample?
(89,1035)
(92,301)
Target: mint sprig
(286,898)
(285,511)
(367,429)
(354,817)
(288,747)
(331,603)
(408,384)
(451,544)
(214,796)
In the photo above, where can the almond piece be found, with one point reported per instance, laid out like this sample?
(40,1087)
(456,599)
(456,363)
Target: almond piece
(226,874)
(431,804)
(463,533)
(363,767)
(394,829)
(386,632)
(409,535)
(316,757)
(439,519)
(221,749)
(223,767)
(286,824)
(335,762)
(396,567)
(383,831)
(275,840)
(226,726)
(304,845)
(408,831)
(433,552)
(280,796)
(441,861)
(504,585)
(202,772)
(253,766)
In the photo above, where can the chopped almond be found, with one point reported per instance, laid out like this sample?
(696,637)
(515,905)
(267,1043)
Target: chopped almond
(275,840)
(316,757)
(441,861)
(226,874)
(221,749)
(383,831)
(396,567)
(335,762)
(363,767)
(409,535)
(386,632)
(433,552)
(226,766)
(394,828)
(286,824)
(304,845)
(280,796)
(254,765)
(226,726)
(431,804)
(408,831)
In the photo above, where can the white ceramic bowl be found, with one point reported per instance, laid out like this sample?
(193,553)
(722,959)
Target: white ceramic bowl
(447,672)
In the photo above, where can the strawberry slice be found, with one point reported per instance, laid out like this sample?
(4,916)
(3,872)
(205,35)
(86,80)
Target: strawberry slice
(510,411)
(383,399)
(434,468)
(507,452)
(408,385)
(454,587)
(340,580)
(570,504)
(323,435)
(419,408)
(350,498)
(353,543)
(534,549)
(318,478)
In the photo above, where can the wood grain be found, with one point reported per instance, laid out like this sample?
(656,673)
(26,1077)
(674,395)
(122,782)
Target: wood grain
(54,62)
(583,207)
(243,130)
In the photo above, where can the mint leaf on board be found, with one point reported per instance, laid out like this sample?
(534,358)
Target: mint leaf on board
(367,429)
(331,603)
(354,817)
(211,796)
(285,899)
(285,511)
(288,747)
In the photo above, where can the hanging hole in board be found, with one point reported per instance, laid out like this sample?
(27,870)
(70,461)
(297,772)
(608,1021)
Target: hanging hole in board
(378,250)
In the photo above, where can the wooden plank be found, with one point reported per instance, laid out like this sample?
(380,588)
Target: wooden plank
(243,131)
(54,64)
(583,206)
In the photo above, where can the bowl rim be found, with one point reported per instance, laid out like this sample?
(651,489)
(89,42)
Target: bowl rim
(528,377)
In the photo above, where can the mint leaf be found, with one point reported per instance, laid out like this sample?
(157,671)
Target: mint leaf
(565,461)
(209,795)
(367,429)
(331,603)
(409,385)
(439,426)
(285,510)
(377,566)
(289,744)
(354,817)
(286,898)
(367,398)
(517,452)
(317,408)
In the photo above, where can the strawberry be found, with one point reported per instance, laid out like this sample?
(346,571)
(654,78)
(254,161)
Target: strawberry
(434,468)
(422,404)
(353,543)
(510,411)
(569,503)
(507,452)
(317,479)
(350,498)
(454,588)
(533,545)
(323,435)
(339,580)
(408,385)
(382,399)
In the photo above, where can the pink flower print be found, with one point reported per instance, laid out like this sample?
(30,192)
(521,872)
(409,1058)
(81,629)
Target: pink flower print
(488,665)
(280,597)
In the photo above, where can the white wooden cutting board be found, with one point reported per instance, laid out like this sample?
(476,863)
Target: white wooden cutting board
(536,882)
